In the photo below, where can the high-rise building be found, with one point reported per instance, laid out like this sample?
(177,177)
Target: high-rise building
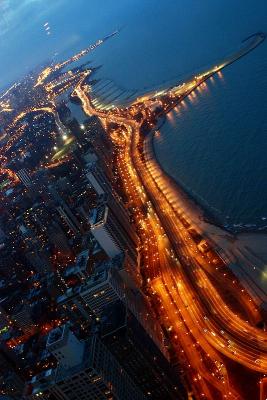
(119,361)
(137,354)
(103,232)
(127,237)
(22,317)
(69,218)
(110,285)
(59,239)
(86,371)
(25,177)
(113,235)
(65,346)
(93,181)
(89,298)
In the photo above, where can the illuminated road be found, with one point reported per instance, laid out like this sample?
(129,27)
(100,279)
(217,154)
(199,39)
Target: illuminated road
(223,319)
(185,286)
(39,95)
(227,332)
(154,248)
(205,364)
(178,273)
(224,330)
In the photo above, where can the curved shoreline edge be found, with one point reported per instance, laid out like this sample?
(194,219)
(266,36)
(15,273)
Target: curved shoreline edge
(239,252)
(208,216)
(239,249)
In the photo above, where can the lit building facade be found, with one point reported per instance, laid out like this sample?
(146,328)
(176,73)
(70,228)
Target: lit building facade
(87,371)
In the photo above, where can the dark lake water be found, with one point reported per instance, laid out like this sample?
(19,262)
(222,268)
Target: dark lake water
(214,145)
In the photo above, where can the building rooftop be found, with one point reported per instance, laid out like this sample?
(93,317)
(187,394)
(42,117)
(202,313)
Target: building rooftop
(55,335)
(43,380)
(98,216)
(101,274)
(88,284)
(81,260)
(81,264)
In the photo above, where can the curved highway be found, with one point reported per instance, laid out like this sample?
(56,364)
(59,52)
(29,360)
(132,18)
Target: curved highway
(190,306)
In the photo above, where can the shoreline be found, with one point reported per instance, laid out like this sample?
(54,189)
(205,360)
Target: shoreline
(208,215)
(245,252)
(246,255)
(205,214)
(205,210)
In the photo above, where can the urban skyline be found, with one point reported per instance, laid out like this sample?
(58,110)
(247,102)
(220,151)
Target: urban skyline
(114,284)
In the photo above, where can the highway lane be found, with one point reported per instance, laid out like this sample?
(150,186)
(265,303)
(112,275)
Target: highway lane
(244,333)
(154,250)
(185,336)
(213,375)
(220,270)
(194,299)
(150,241)
(200,260)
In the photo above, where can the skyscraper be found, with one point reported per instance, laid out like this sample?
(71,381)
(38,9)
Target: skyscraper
(110,285)
(113,235)
(136,352)
(25,177)
(86,371)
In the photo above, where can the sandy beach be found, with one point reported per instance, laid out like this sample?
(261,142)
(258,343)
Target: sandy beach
(245,253)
